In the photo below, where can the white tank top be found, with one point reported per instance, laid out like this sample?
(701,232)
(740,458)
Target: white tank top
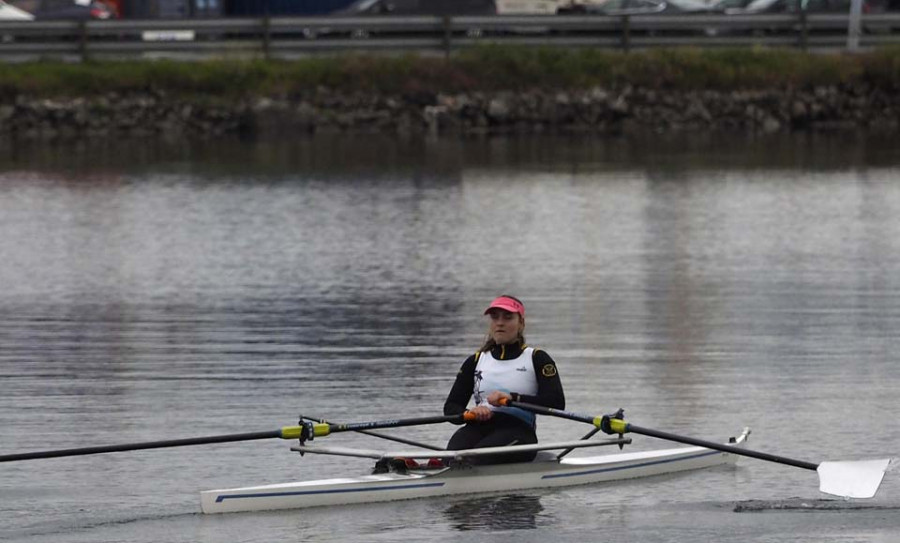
(513,375)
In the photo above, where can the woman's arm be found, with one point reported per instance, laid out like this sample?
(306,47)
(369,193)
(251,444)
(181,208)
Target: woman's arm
(461,392)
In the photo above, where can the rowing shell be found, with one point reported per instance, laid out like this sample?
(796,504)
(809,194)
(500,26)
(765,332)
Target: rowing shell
(546,471)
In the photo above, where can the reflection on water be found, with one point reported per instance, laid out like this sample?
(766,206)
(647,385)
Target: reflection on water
(510,512)
(347,158)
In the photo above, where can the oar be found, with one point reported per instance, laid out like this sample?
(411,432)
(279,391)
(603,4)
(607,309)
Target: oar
(303,432)
(851,479)
(384,436)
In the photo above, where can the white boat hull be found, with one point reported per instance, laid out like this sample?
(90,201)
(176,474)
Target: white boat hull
(542,473)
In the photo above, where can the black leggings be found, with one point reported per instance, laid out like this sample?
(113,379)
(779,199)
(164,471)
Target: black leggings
(500,430)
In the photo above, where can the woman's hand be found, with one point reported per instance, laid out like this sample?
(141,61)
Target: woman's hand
(498,398)
(482,413)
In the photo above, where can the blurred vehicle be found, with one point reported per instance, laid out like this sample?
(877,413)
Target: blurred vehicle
(615,7)
(388,8)
(12,13)
(649,7)
(621,8)
(49,10)
(815,6)
(722,5)
(418,7)
(795,6)
(692,6)
(528,7)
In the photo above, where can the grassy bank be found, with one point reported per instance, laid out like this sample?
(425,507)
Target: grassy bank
(487,68)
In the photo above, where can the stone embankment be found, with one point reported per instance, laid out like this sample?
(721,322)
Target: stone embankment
(595,110)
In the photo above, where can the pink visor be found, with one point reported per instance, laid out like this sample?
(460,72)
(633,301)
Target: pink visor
(508,304)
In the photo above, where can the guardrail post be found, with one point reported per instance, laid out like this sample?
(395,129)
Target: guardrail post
(267,35)
(804,30)
(854,26)
(448,35)
(83,40)
(626,33)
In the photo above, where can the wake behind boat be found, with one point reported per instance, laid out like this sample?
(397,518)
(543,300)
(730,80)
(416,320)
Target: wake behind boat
(403,475)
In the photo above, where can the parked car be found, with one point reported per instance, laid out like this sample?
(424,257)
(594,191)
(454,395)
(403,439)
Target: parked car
(527,7)
(620,8)
(813,6)
(418,7)
(691,6)
(795,6)
(49,10)
(386,8)
(641,7)
(615,7)
(12,13)
(722,5)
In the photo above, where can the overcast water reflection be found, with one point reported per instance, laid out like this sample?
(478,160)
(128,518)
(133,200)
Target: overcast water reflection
(158,291)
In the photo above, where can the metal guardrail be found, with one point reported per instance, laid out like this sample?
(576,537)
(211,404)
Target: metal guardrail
(291,37)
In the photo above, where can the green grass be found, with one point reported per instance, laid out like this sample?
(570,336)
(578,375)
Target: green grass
(489,68)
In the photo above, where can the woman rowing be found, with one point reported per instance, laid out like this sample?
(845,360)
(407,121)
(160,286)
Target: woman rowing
(503,369)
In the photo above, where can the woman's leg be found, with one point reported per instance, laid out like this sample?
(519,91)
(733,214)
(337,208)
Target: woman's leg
(468,436)
(498,432)
(505,434)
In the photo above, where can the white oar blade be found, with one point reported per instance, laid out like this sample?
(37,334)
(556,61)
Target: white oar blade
(859,479)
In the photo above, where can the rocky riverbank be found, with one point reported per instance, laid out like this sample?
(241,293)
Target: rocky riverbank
(594,110)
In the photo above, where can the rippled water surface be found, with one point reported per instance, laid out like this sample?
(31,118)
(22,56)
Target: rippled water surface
(155,292)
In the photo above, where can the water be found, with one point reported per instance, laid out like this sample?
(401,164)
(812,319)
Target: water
(158,291)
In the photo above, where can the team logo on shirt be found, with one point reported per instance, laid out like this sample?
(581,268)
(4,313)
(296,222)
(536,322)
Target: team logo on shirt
(549,370)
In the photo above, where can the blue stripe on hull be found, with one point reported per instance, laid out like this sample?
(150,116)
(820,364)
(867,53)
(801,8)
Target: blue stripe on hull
(222,498)
(630,466)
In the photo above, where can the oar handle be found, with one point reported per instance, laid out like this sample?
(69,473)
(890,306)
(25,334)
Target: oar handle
(540,409)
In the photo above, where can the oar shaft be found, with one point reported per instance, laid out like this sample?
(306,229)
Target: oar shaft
(140,446)
(301,432)
(381,436)
(596,420)
(323,429)
(396,423)
(720,447)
